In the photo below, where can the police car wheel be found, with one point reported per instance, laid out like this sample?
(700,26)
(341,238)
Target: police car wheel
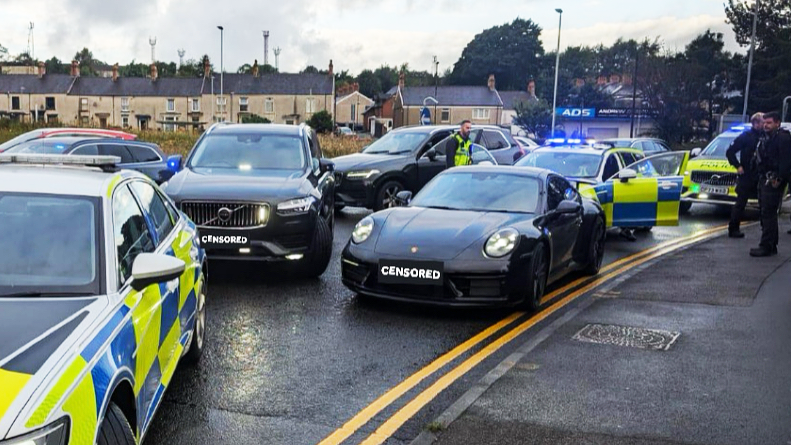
(537,277)
(115,429)
(199,330)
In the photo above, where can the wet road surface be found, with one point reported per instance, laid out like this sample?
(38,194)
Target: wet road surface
(290,361)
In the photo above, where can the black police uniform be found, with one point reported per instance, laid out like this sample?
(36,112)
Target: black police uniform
(747,185)
(773,161)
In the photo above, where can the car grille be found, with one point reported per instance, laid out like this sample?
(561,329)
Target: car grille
(237,214)
(714,178)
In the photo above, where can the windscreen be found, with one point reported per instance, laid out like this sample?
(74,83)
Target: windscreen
(396,142)
(48,243)
(40,146)
(577,165)
(718,147)
(249,152)
(480,191)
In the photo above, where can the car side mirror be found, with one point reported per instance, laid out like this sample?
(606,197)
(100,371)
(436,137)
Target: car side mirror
(175,163)
(695,152)
(326,165)
(165,175)
(155,268)
(568,206)
(626,174)
(431,154)
(403,198)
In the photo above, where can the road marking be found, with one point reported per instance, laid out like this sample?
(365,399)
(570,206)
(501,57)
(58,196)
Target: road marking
(387,429)
(392,395)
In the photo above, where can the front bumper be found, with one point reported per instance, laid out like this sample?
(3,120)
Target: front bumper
(282,239)
(354,193)
(484,283)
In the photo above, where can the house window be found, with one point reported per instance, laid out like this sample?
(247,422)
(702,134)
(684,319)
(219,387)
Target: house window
(445,117)
(85,120)
(84,104)
(169,127)
(480,113)
(242,104)
(15,103)
(52,118)
(310,105)
(125,104)
(289,121)
(171,105)
(195,105)
(221,101)
(125,121)
(269,106)
(50,103)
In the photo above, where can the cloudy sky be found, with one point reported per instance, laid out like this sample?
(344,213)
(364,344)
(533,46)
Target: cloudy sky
(356,34)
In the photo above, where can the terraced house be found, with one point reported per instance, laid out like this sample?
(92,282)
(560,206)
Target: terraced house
(164,103)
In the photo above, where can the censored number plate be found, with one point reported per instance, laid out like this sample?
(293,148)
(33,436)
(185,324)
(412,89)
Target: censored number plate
(226,240)
(411,272)
(714,190)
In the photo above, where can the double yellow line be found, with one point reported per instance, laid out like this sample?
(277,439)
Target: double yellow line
(390,426)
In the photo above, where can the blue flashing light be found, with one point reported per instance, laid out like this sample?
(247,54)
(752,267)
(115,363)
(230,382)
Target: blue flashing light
(575,141)
(739,128)
(557,141)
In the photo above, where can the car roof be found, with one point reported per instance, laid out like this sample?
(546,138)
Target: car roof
(58,179)
(584,149)
(49,132)
(505,169)
(281,129)
(66,140)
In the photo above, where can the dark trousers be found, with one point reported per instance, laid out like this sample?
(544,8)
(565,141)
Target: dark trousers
(746,188)
(771,198)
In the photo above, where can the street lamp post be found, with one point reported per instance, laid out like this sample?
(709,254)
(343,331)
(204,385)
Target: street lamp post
(750,63)
(222,98)
(557,65)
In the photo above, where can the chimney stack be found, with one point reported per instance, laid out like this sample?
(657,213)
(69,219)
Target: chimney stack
(332,73)
(401,80)
(490,83)
(254,70)
(115,72)
(75,68)
(41,70)
(153,72)
(206,67)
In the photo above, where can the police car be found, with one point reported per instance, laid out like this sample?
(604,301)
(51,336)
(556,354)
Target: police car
(634,190)
(102,294)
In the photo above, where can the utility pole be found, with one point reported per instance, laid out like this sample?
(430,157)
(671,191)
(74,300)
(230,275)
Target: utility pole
(634,90)
(557,66)
(750,64)
(277,58)
(153,42)
(266,47)
(436,86)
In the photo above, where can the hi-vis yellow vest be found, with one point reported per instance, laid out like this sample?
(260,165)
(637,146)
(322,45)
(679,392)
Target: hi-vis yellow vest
(462,151)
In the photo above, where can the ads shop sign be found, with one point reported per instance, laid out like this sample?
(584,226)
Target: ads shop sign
(611,113)
(575,112)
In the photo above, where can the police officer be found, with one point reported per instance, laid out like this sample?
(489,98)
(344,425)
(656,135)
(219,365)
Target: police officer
(458,150)
(773,161)
(747,185)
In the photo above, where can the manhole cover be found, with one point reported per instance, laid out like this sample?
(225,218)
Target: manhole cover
(632,337)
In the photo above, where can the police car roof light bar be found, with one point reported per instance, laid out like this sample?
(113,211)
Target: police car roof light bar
(106,163)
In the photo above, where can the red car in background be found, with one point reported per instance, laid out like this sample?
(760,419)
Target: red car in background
(50,132)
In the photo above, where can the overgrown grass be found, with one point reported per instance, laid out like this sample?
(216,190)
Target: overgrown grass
(182,142)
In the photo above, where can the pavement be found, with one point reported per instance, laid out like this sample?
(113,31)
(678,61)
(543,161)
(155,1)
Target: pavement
(714,369)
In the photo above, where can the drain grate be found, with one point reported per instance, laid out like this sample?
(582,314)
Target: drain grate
(631,337)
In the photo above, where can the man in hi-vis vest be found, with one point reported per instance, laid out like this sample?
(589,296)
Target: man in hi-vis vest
(458,150)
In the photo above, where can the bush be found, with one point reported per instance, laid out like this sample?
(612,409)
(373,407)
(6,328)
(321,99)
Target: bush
(255,119)
(321,122)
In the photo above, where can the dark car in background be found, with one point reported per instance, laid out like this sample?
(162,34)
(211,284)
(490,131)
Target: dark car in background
(145,157)
(649,146)
(66,132)
(401,160)
(260,192)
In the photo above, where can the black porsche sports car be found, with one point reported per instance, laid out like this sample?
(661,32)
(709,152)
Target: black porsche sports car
(260,192)
(477,236)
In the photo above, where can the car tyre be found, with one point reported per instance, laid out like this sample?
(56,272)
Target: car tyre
(538,272)
(317,260)
(115,429)
(596,248)
(199,330)
(684,207)
(385,195)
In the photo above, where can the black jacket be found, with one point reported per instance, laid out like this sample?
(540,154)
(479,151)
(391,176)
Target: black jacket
(744,144)
(450,151)
(774,154)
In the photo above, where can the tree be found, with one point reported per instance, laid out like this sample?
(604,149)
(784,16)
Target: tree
(370,85)
(244,69)
(321,122)
(512,52)
(55,66)
(267,69)
(534,116)
(388,77)
(3,53)
(310,69)
(773,16)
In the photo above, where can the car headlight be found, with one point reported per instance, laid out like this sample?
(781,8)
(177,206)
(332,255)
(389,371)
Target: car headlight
(363,230)
(363,174)
(54,434)
(501,243)
(296,206)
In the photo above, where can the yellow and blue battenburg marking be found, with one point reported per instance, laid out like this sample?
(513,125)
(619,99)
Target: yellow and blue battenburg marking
(644,202)
(141,343)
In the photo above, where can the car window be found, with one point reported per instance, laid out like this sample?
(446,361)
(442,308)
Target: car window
(117,150)
(489,191)
(86,150)
(143,154)
(628,158)
(611,166)
(314,153)
(663,164)
(130,231)
(494,140)
(155,207)
(569,164)
(557,190)
(658,147)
